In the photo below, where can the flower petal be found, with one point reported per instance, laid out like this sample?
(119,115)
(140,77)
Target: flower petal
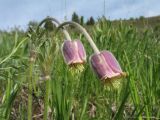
(73,52)
(68,51)
(81,50)
(101,67)
(112,62)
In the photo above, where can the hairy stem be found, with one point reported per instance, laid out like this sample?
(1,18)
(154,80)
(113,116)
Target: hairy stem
(30,92)
(57,23)
(83,30)
(46,104)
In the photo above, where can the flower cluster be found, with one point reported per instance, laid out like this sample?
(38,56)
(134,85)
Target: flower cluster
(103,63)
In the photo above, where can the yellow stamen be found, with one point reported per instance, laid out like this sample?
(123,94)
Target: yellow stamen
(76,68)
(114,82)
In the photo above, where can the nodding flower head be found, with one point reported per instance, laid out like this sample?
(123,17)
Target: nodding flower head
(107,68)
(74,54)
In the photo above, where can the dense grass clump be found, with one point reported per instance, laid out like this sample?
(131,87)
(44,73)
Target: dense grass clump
(31,66)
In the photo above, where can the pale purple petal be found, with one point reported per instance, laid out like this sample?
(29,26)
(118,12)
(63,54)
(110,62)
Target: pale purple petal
(100,66)
(105,65)
(77,58)
(73,52)
(112,62)
(81,50)
(68,51)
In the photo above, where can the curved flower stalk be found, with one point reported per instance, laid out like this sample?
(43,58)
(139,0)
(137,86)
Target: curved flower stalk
(45,71)
(83,30)
(56,23)
(67,36)
(103,63)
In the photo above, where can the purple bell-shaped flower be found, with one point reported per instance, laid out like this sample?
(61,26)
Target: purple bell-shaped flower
(106,66)
(74,53)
